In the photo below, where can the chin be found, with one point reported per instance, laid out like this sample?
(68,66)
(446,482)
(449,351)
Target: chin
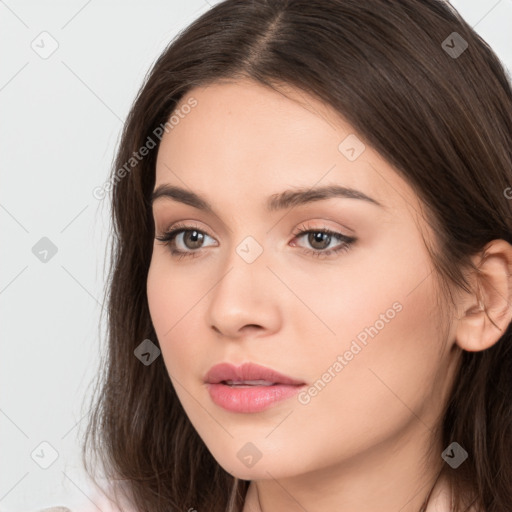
(263,469)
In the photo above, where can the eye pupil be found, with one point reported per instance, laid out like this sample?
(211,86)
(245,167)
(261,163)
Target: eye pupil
(319,238)
(196,238)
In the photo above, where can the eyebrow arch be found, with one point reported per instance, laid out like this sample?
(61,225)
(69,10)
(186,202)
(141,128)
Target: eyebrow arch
(276,202)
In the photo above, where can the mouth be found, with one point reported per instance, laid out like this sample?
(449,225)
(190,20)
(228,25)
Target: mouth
(247,383)
(249,388)
(248,374)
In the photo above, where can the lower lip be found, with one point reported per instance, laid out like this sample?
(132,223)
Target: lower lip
(250,399)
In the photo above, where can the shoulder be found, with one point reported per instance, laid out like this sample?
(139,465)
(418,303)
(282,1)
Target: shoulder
(97,499)
(441,500)
(55,509)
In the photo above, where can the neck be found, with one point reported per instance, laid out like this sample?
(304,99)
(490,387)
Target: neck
(398,477)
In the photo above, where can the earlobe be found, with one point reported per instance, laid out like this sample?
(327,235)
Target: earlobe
(470,331)
(487,313)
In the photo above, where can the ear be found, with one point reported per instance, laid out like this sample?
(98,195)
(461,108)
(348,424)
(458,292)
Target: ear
(486,314)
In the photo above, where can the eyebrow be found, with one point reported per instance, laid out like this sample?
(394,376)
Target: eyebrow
(275,202)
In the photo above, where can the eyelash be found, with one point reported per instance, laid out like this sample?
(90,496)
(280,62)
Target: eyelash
(168,238)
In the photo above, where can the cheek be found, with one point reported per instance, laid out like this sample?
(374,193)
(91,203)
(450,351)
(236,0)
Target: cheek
(385,388)
(172,303)
(361,293)
(379,308)
(385,321)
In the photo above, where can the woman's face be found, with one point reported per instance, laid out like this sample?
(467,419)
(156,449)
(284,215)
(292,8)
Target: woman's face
(353,315)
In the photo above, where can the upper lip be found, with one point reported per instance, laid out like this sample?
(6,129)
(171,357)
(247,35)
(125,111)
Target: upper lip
(247,371)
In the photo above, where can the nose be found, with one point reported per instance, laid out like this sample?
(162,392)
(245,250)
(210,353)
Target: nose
(245,300)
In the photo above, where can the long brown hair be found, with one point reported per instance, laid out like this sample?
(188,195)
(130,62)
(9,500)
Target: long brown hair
(438,111)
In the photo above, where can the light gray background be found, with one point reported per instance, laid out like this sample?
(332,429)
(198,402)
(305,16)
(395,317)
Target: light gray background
(61,118)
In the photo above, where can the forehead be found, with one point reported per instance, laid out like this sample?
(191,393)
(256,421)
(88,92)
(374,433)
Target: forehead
(248,112)
(249,138)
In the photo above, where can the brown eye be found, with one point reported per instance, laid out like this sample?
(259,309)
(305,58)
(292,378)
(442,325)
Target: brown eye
(185,240)
(193,239)
(319,240)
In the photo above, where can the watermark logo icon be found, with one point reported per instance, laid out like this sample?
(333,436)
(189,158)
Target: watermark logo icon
(249,454)
(45,45)
(351,147)
(454,45)
(44,455)
(146,352)
(454,455)
(44,250)
(249,249)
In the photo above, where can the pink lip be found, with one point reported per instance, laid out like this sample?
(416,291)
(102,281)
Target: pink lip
(253,398)
(247,371)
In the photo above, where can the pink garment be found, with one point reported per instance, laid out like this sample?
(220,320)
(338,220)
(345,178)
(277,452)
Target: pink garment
(440,501)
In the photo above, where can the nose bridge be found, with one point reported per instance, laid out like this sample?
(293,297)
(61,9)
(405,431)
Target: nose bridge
(245,267)
(242,295)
